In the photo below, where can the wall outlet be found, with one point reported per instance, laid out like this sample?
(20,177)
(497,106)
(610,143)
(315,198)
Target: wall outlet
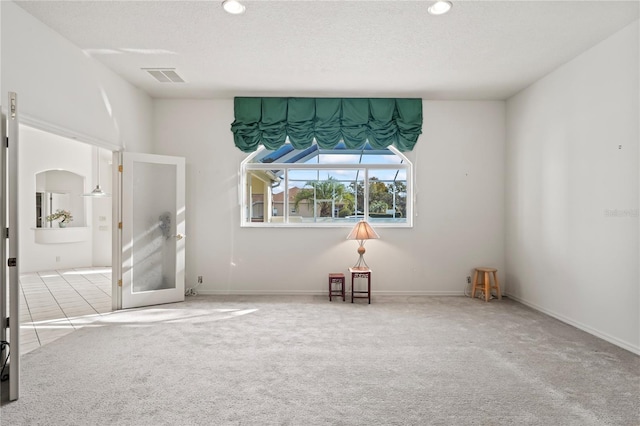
(468,280)
(199,279)
(57,258)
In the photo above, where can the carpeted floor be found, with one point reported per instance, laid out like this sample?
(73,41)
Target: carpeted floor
(302,360)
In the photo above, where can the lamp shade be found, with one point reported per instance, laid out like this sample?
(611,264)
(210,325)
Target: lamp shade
(362,231)
(97,192)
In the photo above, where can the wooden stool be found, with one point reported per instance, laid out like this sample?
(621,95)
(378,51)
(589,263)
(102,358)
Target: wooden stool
(336,278)
(360,272)
(485,283)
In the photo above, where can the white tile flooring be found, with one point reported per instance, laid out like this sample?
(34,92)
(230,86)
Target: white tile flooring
(55,303)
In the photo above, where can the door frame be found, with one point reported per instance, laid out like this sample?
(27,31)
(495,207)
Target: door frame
(13,216)
(3,221)
(10,241)
(116,194)
(116,231)
(45,126)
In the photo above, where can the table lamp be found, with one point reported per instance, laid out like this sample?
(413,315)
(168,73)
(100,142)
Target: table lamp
(362,232)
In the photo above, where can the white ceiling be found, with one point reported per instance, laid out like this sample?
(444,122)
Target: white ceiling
(480,50)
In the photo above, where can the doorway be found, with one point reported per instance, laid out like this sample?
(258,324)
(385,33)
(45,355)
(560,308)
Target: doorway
(133,283)
(66,268)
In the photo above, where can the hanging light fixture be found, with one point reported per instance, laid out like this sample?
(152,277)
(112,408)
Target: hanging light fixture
(97,191)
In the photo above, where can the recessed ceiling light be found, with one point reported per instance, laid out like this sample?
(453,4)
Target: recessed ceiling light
(440,7)
(233,7)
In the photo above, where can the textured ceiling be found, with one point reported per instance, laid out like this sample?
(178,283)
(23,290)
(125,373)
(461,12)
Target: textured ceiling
(480,50)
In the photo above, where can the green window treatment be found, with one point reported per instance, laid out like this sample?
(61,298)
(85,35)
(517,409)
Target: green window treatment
(381,121)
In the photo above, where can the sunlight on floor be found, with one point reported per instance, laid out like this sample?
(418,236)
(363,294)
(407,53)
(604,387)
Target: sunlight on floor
(92,271)
(148,316)
(55,303)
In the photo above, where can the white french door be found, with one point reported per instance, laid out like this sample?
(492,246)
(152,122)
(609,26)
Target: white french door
(9,272)
(152,230)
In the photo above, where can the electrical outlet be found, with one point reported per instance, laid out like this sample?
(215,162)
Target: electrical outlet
(468,280)
(57,258)
(199,279)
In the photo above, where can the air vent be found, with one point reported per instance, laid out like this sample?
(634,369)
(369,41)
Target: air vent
(164,75)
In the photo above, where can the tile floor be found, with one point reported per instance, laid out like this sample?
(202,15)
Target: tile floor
(55,303)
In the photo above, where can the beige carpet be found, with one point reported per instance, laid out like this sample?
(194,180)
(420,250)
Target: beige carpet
(306,361)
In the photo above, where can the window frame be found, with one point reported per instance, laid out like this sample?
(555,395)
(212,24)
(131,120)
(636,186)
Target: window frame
(247,166)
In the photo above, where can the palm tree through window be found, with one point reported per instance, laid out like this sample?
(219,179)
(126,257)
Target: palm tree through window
(316,187)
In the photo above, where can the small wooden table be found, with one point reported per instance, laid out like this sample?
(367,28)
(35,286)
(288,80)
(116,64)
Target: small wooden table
(336,278)
(362,272)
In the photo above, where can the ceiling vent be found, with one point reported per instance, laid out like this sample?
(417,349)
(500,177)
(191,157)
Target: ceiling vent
(164,75)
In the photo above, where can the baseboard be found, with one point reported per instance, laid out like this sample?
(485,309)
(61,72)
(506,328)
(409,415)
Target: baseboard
(417,293)
(323,293)
(604,336)
(260,293)
(577,324)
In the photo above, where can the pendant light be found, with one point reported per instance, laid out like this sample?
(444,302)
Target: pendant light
(97,191)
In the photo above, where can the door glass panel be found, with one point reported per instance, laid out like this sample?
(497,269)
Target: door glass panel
(154,227)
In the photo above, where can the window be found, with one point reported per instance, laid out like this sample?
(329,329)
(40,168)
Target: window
(332,187)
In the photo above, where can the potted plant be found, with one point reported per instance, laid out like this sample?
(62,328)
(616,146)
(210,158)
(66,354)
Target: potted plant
(65,215)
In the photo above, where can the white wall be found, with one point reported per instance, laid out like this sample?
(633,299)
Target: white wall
(572,194)
(102,210)
(61,86)
(2,98)
(459,164)
(41,151)
(63,90)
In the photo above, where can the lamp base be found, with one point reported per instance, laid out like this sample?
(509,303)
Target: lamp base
(361,264)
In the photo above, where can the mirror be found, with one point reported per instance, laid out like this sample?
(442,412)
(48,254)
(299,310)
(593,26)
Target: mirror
(47,203)
(59,190)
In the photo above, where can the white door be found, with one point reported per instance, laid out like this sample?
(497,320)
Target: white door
(9,229)
(153,228)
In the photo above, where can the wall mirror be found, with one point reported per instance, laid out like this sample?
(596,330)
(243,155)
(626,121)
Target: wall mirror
(59,190)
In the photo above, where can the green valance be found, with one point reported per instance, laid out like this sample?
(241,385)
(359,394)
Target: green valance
(381,121)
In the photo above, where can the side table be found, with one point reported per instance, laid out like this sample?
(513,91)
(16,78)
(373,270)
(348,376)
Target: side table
(362,272)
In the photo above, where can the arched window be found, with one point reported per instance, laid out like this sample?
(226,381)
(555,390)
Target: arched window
(333,187)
